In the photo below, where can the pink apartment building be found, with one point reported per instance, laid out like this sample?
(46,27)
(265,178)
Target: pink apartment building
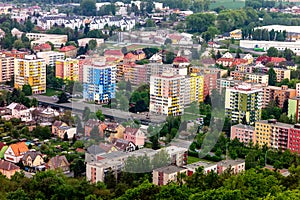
(243,133)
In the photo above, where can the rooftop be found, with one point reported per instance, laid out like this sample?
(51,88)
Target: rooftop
(204,164)
(170,169)
(244,126)
(227,163)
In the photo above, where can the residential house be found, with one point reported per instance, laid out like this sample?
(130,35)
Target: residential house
(19,111)
(123,145)
(225,62)
(93,153)
(66,130)
(114,54)
(167,174)
(15,152)
(140,54)
(16,32)
(8,169)
(69,51)
(236,34)
(114,130)
(156,58)
(56,125)
(129,58)
(42,47)
(33,159)
(89,125)
(108,148)
(59,163)
(134,135)
(236,166)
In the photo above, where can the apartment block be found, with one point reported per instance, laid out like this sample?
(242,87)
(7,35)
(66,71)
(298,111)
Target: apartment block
(210,83)
(243,133)
(32,71)
(115,161)
(297,89)
(136,74)
(99,82)
(282,73)
(272,133)
(51,57)
(243,101)
(6,68)
(294,108)
(67,69)
(194,88)
(167,94)
(236,166)
(278,94)
(207,167)
(251,77)
(14,53)
(294,139)
(223,83)
(165,175)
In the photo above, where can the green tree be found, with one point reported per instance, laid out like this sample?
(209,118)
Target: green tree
(18,44)
(92,44)
(27,90)
(88,7)
(272,76)
(100,115)
(63,98)
(272,52)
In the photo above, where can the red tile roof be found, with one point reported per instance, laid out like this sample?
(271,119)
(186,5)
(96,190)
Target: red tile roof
(180,59)
(67,48)
(8,166)
(42,47)
(129,56)
(130,131)
(175,37)
(19,148)
(113,53)
(277,59)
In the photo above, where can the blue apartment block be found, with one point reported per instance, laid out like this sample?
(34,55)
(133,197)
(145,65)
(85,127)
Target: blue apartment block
(99,83)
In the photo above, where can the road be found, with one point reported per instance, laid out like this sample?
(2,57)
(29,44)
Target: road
(78,105)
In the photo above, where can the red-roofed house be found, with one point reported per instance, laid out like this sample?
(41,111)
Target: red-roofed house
(69,51)
(59,162)
(175,38)
(134,135)
(8,169)
(114,54)
(277,60)
(42,47)
(262,59)
(15,152)
(225,62)
(238,61)
(130,58)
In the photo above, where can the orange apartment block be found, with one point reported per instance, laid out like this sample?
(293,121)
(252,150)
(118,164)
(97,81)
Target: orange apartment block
(282,93)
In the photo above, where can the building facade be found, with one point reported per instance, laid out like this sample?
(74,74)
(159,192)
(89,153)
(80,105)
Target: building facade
(99,83)
(167,94)
(243,133)
(277,94)
(30,71)
(6,68)
(245,102)
(50,57)
(67,69)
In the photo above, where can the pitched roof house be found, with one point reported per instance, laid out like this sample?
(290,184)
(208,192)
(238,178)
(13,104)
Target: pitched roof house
(69,51)
(93,152)
(33,159)
(134,135)
(15,152)
(8,169)
(59,162)
(56,125)
(89,125)
(123,145)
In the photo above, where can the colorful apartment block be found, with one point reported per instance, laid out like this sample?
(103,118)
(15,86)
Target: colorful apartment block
(67,69)
(277,94)
(282,73)
(30,71)
(136,74)
(243,101)
(194,88)
(165,175)
(14,53)
(99,83)
(272,133)
(210,83)
(243,133)
(251,77)
(294,108)
(6,68)
(294,139)
(167,94)
(51,57)
(223,83)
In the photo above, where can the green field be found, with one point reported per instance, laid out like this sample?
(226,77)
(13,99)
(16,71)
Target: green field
(228,4)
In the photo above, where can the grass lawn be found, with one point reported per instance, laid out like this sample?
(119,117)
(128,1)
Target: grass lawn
(192,159)
(228,4)
(51,92)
